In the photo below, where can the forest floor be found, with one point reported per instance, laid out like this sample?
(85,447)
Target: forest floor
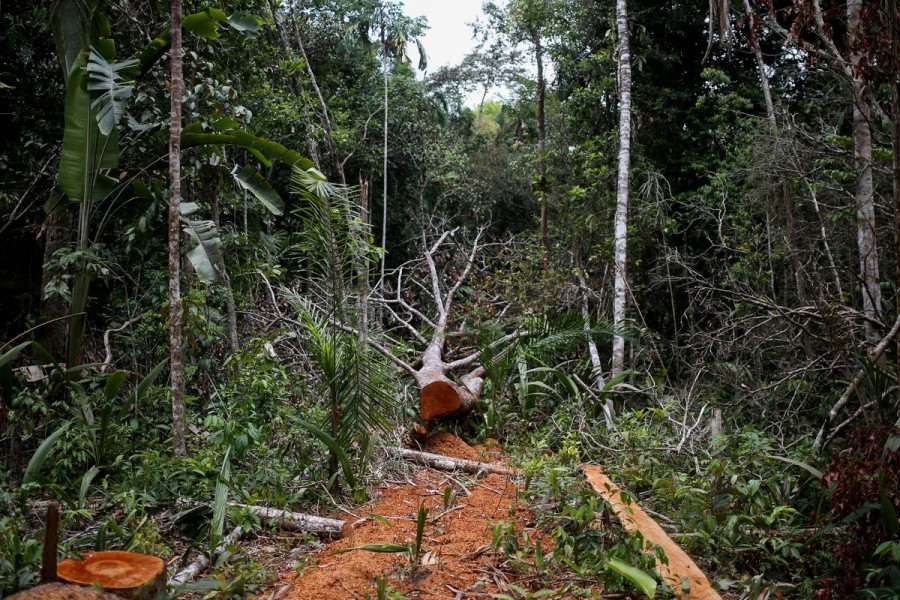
(457,559)
(462,551)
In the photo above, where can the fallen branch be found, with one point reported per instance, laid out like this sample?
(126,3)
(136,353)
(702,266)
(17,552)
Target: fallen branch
(445,463)
(201,563)
(854,385)
(296,521)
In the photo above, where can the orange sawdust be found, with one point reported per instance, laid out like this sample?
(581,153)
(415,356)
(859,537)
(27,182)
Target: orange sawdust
(456,549)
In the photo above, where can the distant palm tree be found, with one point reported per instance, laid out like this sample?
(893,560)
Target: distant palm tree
(395,33)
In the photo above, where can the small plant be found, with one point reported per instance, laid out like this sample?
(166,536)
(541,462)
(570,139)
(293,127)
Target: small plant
(411,550)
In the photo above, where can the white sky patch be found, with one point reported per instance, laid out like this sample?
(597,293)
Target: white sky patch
(449,37)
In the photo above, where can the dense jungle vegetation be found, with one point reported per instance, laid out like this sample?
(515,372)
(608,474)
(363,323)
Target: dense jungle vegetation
(237,251)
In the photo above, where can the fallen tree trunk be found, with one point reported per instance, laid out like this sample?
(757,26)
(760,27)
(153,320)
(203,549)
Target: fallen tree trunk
(296,521)
(201,563)
(445,463)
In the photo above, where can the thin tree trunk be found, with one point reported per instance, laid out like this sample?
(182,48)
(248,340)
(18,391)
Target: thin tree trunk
(362,274)
(54,335)
(761,66)
(865,194)
(895,145)
(230,306)
(329,132)
(542,135)
(622,186)
(384,197)
(176,362)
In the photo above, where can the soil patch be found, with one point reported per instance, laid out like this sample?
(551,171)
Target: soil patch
(456,549)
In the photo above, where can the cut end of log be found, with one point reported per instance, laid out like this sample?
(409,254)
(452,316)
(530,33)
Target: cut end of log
(437,399)
(122,573)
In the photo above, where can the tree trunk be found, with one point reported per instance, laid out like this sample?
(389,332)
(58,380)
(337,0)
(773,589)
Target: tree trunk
(384,196)
(176,362)
(895,145)
(622,186)
(865,194)
(53,335)
(542,135)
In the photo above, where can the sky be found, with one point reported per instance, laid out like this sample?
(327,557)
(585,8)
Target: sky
(448,38)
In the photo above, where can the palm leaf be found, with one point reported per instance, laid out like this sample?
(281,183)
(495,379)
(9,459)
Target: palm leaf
(228,132)
(207,251)
(252,180)
(40,455)
(111,89)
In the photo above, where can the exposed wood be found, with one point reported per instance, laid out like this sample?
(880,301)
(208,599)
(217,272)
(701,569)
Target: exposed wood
(445,463)
(201,563)
(62,591)
(51,544)
(296,521)
(126,574)
(681,567)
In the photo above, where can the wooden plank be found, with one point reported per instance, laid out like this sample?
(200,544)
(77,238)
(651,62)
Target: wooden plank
(681,567)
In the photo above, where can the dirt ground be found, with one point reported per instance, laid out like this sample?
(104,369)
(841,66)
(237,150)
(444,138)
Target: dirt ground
(456,561)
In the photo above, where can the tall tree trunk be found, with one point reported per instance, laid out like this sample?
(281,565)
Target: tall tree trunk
(895,145)
(329,132)
(622,187)
(542,135)
(761,66)
(176,361)
(53,335)
(362,267)
(865,193)
(384,196)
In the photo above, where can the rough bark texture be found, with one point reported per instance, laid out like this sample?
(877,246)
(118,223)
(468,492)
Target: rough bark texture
(201,563)
(445,463)
(176,361)
(126,574)
(623,187)
(895,146)
(51,544)
(384,168)
(297,521)
(53,335)
(865,193)
(542,135)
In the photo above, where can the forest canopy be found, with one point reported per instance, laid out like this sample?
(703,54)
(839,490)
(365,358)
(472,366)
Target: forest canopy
(253,249)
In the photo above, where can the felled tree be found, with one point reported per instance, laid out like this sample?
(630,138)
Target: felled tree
(439,394)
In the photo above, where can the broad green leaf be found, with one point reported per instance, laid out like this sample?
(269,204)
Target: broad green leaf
(334,447)
(147,381)
(86,484)
(207,252)
(40,455)
(226,133)
(797,463)
(251,180)
(640,579)
(246,23)
(220,502)
(86,150)
(110,89)
(113,384)
(74,23)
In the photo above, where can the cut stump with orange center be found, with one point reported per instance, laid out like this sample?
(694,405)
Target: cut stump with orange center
(126,574)
(438,398)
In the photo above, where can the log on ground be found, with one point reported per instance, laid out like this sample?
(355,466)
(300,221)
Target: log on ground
(445,463)
(201,563)
(681,569)
(296,521)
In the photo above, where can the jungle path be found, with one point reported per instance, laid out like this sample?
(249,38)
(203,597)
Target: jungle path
(457,560)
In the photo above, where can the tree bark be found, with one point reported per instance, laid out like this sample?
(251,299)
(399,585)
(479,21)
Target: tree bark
(865,193)
(54,334)
(445,463)
(176,361)
(895,146)
(384,196)
(622,186)
(542,135)
(296,521)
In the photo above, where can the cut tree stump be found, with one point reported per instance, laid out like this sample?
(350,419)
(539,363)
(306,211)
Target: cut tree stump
(61,591)
(445,463)
(126,574)
(681,567)
(296,521)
